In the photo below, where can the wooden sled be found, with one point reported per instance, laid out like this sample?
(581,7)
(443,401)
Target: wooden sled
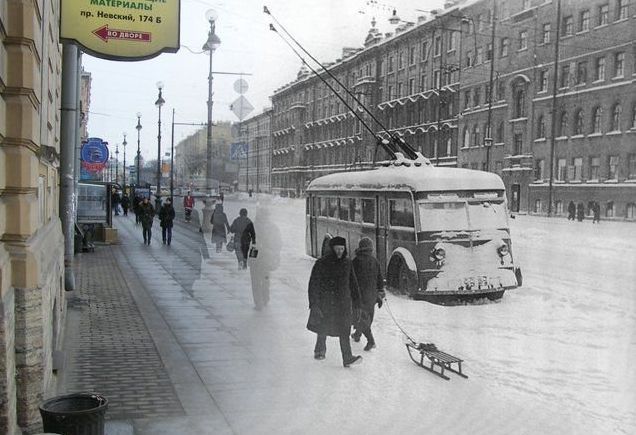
(436,358)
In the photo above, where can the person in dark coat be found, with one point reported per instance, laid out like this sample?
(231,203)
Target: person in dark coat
(125,204)
(580,212)
(147,216)
(571,211)
(238,228)
(220,227)
(371,284)
(333,294)
(596,210)
(166,220)
(137,208)
(115,203)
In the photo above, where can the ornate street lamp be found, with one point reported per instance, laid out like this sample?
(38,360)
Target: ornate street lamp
(138,127)
(160,102)
(117,163)
(210,45)
(124,143)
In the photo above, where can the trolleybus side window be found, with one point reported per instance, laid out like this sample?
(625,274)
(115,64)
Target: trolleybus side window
(332,207)
(344,209)
(368,211)
(353,209)
(324,206)
(401,213)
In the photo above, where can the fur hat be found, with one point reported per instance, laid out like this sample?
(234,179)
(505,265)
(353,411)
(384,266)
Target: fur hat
(338,241)
(365,245)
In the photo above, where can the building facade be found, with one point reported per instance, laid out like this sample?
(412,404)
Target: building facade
(255,169)
(469,94)
(591,120)
(32,302)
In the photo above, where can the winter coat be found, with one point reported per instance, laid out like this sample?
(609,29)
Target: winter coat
(248,235)
(147,212)
(369,275)
(188,202)
(238,228)
(166,216)
(333,289)
(125,201)
(220,225)
(580,212)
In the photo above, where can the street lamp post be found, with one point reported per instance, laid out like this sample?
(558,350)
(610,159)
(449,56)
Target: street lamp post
(117,163)
(110,169)
(210,45)
(160,102)
(124,143)
(172,161)
(138,127)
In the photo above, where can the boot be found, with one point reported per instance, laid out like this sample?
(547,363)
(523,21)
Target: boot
(355,359)
(370,345)
(319,356)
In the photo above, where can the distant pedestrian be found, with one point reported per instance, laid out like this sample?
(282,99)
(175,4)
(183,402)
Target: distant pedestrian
(268,258)
(166,220)
(333,294)
(125,204)
(221,196)
(369,274)
(220,227)
(237,228)
(596,210)
(147,216)
(115,203)
(580,212)
(188,205)
(571,211)
(137,208)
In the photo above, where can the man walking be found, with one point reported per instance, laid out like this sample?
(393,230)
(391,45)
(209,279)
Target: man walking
(238,228)
(369,273)
(166,220)
(188,205)
(333,294)
(146,216)
(125,204)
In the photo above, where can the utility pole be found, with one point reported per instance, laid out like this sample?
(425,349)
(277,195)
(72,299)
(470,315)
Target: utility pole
(555,87)
(172,162)
(488,140)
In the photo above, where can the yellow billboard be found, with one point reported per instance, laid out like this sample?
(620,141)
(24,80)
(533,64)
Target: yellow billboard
(122,29)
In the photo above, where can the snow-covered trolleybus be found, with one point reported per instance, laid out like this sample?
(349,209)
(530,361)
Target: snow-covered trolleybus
(441,234)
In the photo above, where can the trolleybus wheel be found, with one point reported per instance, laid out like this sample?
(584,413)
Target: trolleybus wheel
(400,279)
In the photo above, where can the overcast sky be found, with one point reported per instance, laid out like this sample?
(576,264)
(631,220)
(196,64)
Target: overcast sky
(121,89)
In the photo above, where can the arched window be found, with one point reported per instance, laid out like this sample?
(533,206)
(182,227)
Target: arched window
(466,137)
(519,94)
(578,122)
(500,133)
(615,124)
(597,115)
(540,127)
(563,123)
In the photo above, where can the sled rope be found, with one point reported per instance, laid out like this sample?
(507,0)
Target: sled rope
(388,308)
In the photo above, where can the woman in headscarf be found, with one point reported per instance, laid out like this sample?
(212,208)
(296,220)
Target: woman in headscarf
(220,227)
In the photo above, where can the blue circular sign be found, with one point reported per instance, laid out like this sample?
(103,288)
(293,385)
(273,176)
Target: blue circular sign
(94,154)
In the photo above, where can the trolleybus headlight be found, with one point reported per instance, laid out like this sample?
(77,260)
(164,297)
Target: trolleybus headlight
(503,250)
(438,254)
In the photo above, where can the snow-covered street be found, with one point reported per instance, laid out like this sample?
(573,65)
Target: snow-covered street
(554,356)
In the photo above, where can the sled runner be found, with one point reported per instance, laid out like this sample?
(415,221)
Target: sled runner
(436,358)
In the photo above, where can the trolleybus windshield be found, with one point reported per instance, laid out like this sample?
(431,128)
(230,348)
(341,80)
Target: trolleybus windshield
(462,214)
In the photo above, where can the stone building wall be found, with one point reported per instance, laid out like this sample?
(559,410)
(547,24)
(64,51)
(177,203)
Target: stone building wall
(32,305)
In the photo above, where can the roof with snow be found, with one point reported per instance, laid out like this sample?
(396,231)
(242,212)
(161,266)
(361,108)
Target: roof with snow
(413,178)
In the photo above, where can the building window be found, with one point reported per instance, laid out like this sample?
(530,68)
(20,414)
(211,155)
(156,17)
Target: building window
(518,143)
(558,207)
(525,4)
(501,138)
(631,166)
(475,135)
(469,59)
(568,26)
(609,209)
(487,94)
(411,86)
(424,51)
(466,137)
(612,167)
(546,33)
(633,126)
(523,40)
(480,22)
(539,170)
(424,82)
(400,60)
(584,21)
(480,56)
(630,211)
(563,123)
(619,64)
(581,73)
(615,124)
(562,169)
(503,52)
(519,101)
(543,81)
(501,90)
(476,97)
(451,40)
(595,168)
(578,122)
(438,79)
(578,168)
(438,45)
(599,70)
(621,9)
(489,52)
(603,15)
(390,66)
(540,127)
(400,93)
(411,55)
(597,115)
(538,207)
(467,99)
(565,76)
(389,91)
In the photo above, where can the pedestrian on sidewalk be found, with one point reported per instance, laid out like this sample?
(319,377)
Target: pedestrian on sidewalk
(268,258)
(147,216)
(115,202)
(188,205)
(369,274)
(137,208)
(220,227)
(333,294)
(166,219)
(596,210)
(125,204)
(580,212)
(237,228)
(571,211)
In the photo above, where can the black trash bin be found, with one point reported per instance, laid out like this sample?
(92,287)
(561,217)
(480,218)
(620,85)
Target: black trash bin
(75,414)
